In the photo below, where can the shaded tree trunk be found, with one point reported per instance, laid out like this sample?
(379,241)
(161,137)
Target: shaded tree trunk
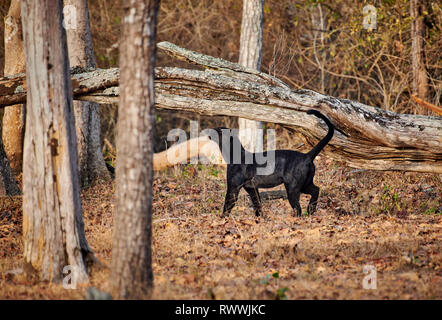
(420,79)
(53,229)
(8,185)
(250,56)
(132,256)
(87,114)
(13,118)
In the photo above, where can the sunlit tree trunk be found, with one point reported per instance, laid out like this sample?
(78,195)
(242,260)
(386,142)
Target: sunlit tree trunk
(132,256)
(87,114)
(420,79)
(53,230)
(250,56)
(319,26)
(13,118)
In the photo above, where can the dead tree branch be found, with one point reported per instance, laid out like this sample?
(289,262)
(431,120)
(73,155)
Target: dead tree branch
(367,137)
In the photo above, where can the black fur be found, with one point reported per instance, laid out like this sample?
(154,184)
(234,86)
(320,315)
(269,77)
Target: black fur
(294,169)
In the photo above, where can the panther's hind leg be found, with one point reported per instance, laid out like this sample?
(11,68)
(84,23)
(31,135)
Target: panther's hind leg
(312,190)
(231,197)
(293,195)
(256,199)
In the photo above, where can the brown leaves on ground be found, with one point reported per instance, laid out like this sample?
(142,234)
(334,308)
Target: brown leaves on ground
(391,221)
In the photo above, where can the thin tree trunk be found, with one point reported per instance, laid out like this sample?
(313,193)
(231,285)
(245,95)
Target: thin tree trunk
(53,229)
(13,118)
(250,56)
(420,79)
(8,185)
(319,18)
(132,256)
(87,114)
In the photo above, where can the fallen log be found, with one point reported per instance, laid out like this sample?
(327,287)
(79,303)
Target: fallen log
(366,137)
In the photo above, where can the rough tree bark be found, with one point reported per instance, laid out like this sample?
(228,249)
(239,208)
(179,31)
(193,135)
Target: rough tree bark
(250,133)
(420,79)
(13,118)
(132,275)
(366,137)
(53,229)
(92,167)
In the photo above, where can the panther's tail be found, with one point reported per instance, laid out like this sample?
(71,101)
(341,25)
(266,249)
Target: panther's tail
(331,129)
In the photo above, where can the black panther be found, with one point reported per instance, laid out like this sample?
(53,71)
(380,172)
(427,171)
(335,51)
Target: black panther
(294,169)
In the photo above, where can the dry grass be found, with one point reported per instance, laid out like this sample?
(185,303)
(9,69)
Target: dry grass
(198,255)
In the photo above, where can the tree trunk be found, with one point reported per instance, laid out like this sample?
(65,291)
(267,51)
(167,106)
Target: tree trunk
(319,27)
(87,114)
(250,133)
(8,186)
(132,256)
(13,118)
(53,229)
(420,79)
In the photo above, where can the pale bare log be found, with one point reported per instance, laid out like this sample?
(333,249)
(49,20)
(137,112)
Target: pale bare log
(202,148)
(219,65)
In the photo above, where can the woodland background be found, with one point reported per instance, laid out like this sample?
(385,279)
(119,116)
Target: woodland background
(390,220)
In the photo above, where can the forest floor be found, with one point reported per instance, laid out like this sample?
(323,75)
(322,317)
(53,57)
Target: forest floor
(388,221)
